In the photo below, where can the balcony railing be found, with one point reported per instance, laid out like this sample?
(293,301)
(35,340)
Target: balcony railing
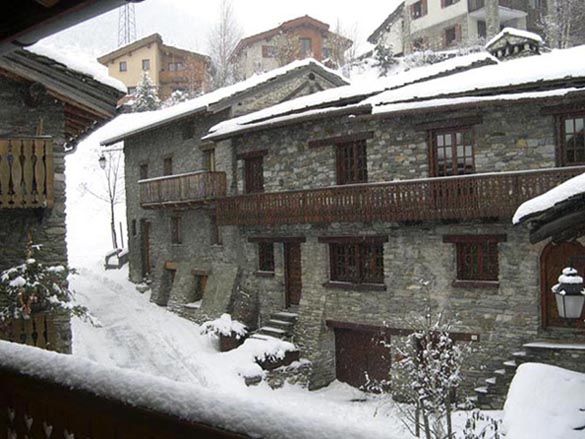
(474,5)
(26,173)
(182,190)
(445,198)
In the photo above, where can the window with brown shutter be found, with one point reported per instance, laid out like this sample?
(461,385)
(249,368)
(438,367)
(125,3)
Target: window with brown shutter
(357,262)
(477,259)
(452,152)
(352,166)
(266,256)
(143,171)
(168,166)
(573,140)
(418,9)
(254,174)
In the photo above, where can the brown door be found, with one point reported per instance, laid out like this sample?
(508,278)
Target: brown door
(145,246)
(292,273)
(553,259)
(361,358)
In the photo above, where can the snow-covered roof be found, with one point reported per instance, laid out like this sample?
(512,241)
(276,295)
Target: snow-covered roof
(332,98)
(138,122)
(570,188)
(513,32)
(79,63)
(533,77)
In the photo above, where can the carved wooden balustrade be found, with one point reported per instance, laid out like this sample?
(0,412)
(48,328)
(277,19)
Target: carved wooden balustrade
(182,190)
(26,173)
(445,198)
(45,396)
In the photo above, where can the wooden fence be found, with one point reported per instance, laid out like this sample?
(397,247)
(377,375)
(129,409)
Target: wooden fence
(445,198)
(39,330)
(182,190)
(26,173)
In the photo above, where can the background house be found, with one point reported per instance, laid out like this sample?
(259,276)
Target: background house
(170,68)
(299,38)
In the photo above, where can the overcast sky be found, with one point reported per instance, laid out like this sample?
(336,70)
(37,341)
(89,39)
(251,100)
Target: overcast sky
(186,23)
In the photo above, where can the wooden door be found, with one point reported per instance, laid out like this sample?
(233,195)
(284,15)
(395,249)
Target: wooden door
(361,357)
(293,273)
(553,259)
(145,246)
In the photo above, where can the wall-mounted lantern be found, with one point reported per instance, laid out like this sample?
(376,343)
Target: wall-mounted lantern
(569,294)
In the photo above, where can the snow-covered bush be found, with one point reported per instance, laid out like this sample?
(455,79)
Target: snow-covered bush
(426,377)
(385,59)
(145,96)
(224,326)
(32,287)
(480,425)
(177,97)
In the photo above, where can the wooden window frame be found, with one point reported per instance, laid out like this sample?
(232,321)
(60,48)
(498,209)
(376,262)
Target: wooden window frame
(433,148)
(254,178)
(415,13)
(123,66)
(456,28)
(562,137)
(486,273)
(447,3)
(176,230)
(209,159)
(348,157)
(266,257)
(168,165)
(302,49)
(215,233)
(133,228)
(362,259)
(145,62)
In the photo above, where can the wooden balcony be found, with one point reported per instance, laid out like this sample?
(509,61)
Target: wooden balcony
(432,199)
(474,5)
(26,173)
(183,190)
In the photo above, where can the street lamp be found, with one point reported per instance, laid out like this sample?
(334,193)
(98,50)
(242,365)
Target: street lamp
(111,191)
(102,161)
(569,294)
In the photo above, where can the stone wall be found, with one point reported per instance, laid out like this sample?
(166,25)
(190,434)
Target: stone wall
(46,226)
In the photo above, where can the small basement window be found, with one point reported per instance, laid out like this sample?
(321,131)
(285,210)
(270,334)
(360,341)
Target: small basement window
(266,256)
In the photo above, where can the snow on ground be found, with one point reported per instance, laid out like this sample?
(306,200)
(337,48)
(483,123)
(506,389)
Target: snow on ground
(552,409)
(564,191)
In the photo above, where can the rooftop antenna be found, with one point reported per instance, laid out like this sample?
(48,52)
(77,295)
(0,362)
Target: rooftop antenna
(126,24)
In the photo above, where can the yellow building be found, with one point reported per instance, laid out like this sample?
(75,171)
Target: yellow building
(169,68)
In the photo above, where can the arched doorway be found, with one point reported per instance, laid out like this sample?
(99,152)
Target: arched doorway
(553,259)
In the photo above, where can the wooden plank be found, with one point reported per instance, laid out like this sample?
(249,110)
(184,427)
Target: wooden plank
(16,172)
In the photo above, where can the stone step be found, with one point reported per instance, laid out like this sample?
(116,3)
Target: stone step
(273,332)
(281,324)
(284,316)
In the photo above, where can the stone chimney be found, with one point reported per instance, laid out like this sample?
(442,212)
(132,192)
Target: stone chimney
(492,18)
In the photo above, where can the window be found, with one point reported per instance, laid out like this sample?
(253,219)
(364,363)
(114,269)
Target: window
(419,44)
(188,130)
(168,166)
(133,228)
(306,47)
(145,64)
(477,258)
(176,230)
(357,262)
(176,66)
(209,159)
(123,66)
(326,52)
(447,3)
(352,165)
(269,52)
(573,140)
(143,172)
(215,231)
(453,152)
(172,67)
(481,29)
(418,9)
(452,35)
(266,256)
(535,4)
(254,174)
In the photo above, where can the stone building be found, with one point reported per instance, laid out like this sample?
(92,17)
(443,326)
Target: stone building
(165,158)
(46,108)
(170,68)
(299,38)
(449,24)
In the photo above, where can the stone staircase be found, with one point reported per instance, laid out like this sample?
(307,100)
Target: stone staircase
(493,394)
(280,325)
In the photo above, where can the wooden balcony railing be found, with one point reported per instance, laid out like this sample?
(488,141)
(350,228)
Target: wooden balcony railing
(474,5)
(445,198)
(26,173)
(45,395)
(182,190)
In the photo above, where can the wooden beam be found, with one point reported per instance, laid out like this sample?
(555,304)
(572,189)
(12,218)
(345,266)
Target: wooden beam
(564,227)
(347,138)
(352,239)
(455,239)
(269,239)
(458,122)
(251,154)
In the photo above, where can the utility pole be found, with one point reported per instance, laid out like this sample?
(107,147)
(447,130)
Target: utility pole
(126,24)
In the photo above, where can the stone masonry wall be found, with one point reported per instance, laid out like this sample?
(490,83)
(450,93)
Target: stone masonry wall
(47,226)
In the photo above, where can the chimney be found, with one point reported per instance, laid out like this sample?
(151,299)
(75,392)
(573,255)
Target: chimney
(492,18)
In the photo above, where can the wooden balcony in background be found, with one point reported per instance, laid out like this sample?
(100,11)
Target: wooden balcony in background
(183,190)
(469,197)
(26,173)
(474,5)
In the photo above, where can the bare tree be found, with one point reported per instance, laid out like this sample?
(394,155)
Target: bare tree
(222,40)
(563,23)
(344,43)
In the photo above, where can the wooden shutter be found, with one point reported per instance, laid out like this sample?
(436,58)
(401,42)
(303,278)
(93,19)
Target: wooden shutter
(424,8)
(254,174)
(458,33)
